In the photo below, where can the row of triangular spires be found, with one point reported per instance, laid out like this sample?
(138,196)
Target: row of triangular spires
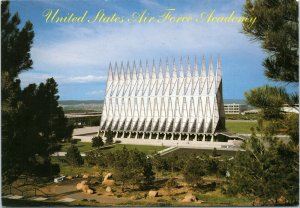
(120,75)
(123,109)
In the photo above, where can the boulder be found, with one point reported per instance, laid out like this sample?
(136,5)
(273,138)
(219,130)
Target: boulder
(85,188)
(108,182)
(108,189)
(79,186)
(107,176)
(85,176)
(257,202)
(153,193)
(281,200)
(90,191)
(189,198)
(69,177)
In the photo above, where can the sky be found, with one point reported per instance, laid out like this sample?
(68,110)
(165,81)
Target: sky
(77,55)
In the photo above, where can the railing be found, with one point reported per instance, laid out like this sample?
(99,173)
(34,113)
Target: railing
(11,189)
(36,189)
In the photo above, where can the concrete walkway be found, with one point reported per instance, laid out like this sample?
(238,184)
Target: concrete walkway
(62,154)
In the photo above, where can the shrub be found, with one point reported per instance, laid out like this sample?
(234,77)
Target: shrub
(73,156)
(97,142)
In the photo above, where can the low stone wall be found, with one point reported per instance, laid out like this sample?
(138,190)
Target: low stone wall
(231,144)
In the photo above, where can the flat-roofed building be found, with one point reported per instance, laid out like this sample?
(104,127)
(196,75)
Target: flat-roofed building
(233,108)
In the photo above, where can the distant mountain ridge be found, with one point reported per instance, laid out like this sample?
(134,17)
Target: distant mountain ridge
(236,101)
(77,102)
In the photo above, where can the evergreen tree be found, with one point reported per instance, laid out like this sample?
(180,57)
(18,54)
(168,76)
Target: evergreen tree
(215,152)
(148,172)
(132,167)
(109,137)
(73,156)
(194,171)
(269,169)
(97,142)
(32,122)
(276,27)
(15,57)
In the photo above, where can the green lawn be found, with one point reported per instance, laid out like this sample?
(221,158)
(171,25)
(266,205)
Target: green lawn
(184,151)
(147,149)
(66,169)
(82,146)
(216,198)
(240,126)
(85,146)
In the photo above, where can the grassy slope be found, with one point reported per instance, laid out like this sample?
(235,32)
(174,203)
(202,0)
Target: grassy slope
(240,126)
(85,146)
(82,146)
(147,149)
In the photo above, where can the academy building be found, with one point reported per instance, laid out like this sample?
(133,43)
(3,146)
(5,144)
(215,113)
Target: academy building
(165,106)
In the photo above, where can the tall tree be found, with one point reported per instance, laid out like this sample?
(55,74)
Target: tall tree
(194,170)
(73,156)
(276,27)
(15,57)
(32,122)
(269,168)
(109,137)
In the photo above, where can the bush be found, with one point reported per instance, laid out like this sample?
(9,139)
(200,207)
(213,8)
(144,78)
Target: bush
(74,141)
(109,137)
(215,153)
(172,183)
(97,142)
(73,156)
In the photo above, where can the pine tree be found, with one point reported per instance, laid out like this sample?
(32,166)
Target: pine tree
(109,137)
(194,171)
(73,156)
(32,122)
(268,168)
(276,27)
(97,142)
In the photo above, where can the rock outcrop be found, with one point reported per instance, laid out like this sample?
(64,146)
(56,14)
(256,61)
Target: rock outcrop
(84,187)
(153,194)
(107,181)
(189,198)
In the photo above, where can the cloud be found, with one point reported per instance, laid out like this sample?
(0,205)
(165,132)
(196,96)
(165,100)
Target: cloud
(28,78)
(150,4)
(84,79)
(95,46)
(98,93)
